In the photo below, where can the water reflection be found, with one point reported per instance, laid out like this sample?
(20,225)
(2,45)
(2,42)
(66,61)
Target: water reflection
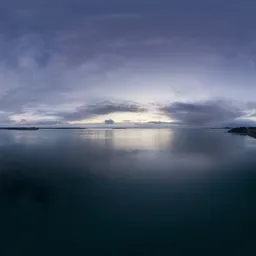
(131,139)
(125,189)
(136,139)
(15,185)
(213,144)
(127,150)
(26,137)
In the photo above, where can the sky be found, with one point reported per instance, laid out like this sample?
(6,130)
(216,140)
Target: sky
(158,62)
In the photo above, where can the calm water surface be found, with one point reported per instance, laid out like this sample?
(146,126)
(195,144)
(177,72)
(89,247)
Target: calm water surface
(127,192)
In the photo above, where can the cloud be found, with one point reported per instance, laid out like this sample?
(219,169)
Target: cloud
(110,121)
(49,122)
(102,108)
(77,51)
(5,119)
(164,123)
(46,123)
(203,113)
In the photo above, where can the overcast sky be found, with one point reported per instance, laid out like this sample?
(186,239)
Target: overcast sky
(86,61)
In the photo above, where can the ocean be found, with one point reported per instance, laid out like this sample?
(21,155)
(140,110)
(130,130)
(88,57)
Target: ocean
(127,192)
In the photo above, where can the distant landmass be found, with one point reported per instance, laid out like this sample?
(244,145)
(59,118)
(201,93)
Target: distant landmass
(63,128)
(219,128)
(41,128)
(250,131)
(20,128)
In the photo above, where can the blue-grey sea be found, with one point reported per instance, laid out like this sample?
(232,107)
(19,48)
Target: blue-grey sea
(127,192)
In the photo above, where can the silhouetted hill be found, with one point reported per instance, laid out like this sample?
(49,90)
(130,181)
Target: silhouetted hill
(250,131)
(240,130)
(20,128)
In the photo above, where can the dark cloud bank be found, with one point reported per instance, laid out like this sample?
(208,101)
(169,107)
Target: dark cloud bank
(213,113)
(110,121)
(102,108)
(205,113)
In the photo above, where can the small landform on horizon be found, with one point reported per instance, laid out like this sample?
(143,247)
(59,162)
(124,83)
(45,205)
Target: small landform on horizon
(41,128)
(250,131)
(20,128)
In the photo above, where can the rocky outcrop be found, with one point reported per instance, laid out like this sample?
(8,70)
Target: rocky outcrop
(239,130)
(250,131)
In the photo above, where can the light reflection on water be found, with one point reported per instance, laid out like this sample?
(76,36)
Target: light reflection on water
(140,150)
(171,149)
(148,190)
(135,139)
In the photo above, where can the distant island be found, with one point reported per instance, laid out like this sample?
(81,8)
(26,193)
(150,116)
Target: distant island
(41,128)
(218,128)
(250,131)
(20,128)
(63,128)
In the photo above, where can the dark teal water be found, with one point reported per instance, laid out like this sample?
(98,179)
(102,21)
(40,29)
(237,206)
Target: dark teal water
(127,192)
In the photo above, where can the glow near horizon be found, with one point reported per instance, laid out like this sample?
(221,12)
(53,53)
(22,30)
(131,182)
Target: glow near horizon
(122,117)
